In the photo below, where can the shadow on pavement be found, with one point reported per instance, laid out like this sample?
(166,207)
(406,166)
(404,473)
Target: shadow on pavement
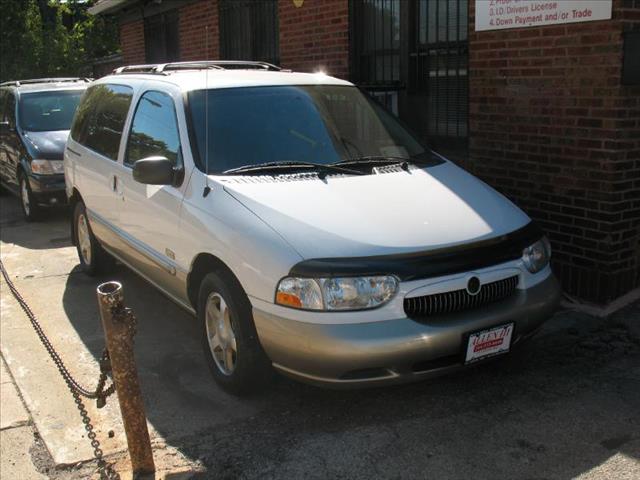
(559,403)
(52,231)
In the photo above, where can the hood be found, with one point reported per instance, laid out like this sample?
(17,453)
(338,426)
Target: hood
(46,145)
(379,214)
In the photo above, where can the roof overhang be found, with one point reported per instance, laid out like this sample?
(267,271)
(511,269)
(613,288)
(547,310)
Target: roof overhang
(103,7)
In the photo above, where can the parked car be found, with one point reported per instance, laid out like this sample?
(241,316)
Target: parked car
(302,224)
(35,116)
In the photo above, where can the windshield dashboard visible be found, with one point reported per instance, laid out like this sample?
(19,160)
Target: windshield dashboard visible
(241,127)
(48,111)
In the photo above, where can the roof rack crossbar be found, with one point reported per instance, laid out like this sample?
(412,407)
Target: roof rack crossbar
(163,68)
(193,65)
(145,68)
(29,81)
(245,64)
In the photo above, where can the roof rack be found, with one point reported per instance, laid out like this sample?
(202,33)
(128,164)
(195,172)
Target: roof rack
(164,68)
(17,83)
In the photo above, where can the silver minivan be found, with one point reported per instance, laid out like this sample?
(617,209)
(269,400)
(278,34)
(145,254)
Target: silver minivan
(307,230)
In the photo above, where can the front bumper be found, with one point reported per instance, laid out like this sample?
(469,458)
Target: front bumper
(395,351)
(48,189)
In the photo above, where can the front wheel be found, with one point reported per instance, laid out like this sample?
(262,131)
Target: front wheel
(30,208)
(93,258)
(229,338)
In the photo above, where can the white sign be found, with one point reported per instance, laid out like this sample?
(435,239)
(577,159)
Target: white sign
(500,14)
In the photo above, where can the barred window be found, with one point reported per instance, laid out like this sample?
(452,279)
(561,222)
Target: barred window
(412,55)
(249,30)
(161,38)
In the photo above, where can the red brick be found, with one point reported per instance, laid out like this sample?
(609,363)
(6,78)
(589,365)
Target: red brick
(305,49)
(132,42)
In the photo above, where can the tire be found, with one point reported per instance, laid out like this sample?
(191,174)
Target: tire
(30,208)
(246,369)
(93,259)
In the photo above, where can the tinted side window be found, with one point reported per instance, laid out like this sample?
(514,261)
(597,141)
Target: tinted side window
(154,130)
(100,118)
(81,117)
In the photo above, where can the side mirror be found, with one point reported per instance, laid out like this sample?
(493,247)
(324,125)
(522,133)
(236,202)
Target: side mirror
(154,171)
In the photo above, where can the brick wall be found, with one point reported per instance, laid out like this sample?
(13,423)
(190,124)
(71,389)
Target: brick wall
(626,190)
(552,127)
(315,36)
(132,42)
(193,18)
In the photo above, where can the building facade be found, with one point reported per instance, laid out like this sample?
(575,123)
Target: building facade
(540,98)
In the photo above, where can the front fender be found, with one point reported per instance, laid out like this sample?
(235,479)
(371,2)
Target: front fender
(221,226)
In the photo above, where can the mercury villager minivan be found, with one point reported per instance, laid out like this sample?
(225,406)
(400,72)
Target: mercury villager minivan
(35,116)
(302,224)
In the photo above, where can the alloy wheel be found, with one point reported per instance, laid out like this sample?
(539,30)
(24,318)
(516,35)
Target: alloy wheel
(84,239)
(220,334)
(24,196)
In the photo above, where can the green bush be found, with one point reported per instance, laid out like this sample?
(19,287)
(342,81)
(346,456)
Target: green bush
(46,38)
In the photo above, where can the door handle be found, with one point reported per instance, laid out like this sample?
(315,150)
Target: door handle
(116,185)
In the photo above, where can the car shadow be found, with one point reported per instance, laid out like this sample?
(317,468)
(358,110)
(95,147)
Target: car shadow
(548,400)
(51,231)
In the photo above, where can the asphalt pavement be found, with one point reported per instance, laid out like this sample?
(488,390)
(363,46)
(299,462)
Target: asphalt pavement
(565,406)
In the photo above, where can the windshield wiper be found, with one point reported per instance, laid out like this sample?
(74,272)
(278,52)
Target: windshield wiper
(322,168)
(376,160)
(384,160)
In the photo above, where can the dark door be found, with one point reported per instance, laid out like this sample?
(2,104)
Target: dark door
(412,55)
(3,132)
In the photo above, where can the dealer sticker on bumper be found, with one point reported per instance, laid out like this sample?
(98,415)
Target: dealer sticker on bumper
(490,342)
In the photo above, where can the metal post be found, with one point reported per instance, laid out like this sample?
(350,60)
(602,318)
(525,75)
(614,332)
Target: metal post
(119,339)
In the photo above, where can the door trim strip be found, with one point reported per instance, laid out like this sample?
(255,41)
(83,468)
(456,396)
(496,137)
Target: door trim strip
(153,256)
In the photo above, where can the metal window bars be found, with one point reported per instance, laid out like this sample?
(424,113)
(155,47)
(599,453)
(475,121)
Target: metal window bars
(165,68)
(413,54)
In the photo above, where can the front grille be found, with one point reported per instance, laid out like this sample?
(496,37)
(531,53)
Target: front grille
(457,300)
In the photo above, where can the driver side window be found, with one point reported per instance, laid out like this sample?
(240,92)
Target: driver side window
(154,130)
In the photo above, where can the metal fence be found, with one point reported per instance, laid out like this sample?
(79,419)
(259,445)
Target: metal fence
(413,56)
(438,61)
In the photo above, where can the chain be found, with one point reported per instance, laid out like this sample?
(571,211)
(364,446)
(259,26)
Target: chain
(100,394)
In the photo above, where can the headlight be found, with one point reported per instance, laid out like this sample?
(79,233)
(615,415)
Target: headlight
(536,256)
(47,167)
(343,293)
(299,293)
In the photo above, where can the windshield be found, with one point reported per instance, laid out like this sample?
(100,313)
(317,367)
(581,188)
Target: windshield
(312,123)
(48,111)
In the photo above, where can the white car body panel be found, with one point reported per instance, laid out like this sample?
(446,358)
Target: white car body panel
(381,214)
(220,225)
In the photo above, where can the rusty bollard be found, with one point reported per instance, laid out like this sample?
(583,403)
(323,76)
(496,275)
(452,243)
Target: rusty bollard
(119,339)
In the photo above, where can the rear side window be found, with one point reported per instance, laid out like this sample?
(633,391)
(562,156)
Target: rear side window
(154,130)
(99,122)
